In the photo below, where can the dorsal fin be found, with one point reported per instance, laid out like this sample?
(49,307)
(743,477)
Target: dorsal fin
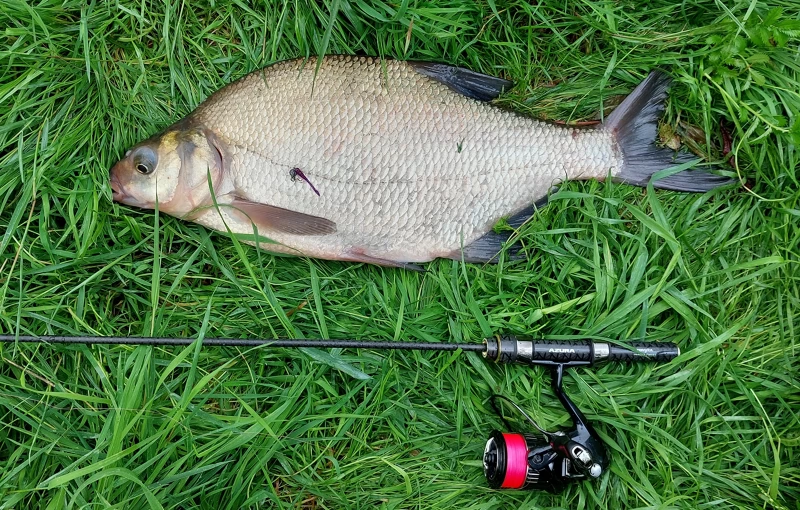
(469,83)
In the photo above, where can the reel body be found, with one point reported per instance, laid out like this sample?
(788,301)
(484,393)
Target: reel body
(548,461)
(552,460)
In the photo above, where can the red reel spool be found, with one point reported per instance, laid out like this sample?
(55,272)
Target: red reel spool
(505,460)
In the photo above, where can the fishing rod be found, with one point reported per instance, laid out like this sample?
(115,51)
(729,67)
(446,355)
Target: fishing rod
(511,460)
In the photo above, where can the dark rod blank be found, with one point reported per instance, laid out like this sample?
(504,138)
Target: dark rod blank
(240,342)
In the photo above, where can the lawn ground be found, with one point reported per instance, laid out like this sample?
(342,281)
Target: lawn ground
(170,427)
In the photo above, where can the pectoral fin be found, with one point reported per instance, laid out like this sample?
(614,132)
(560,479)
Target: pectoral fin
(268,218)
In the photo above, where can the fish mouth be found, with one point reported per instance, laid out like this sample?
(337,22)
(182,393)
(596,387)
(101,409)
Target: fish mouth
(117,189)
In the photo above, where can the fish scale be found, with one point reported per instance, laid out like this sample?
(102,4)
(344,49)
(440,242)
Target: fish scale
(407,165)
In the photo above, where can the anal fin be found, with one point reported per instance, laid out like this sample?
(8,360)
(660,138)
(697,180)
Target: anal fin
(524,215)
(487,248)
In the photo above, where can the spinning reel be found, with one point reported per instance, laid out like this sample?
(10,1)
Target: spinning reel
(552,460)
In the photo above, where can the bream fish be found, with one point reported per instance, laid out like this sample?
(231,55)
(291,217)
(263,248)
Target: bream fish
(382,161)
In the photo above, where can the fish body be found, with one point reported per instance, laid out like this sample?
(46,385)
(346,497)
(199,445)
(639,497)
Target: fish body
(381,161)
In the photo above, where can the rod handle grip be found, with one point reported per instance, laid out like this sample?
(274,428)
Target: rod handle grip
(659,352)
(511,349)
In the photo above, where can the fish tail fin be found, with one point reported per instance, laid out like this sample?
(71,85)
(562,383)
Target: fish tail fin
(634,125)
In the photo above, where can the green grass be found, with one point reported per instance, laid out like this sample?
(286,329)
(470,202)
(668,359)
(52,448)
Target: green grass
(224,428)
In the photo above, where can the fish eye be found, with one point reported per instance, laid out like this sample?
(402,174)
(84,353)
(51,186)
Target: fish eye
(145,160)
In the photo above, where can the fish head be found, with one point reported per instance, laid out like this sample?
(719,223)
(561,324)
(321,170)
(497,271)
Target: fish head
(176,170)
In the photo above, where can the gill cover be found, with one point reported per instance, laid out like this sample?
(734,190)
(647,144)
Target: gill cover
(202,168)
